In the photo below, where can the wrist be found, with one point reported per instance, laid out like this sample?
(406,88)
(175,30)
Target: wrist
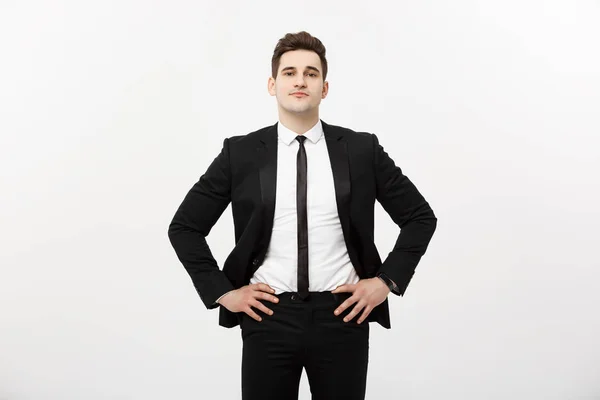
(220,300)
(387,281)
(384,283)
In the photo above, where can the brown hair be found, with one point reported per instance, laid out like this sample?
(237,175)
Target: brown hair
(298,41)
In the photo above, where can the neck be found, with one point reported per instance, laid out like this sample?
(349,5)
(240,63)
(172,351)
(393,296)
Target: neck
(298,123)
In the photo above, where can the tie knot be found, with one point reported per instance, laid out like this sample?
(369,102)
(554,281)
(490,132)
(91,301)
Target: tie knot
(301,138)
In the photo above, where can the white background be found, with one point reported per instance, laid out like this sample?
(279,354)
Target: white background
(110,111)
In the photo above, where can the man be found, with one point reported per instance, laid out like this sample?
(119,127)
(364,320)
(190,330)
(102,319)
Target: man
(305,277)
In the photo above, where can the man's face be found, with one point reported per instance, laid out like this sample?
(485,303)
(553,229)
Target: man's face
(299,71)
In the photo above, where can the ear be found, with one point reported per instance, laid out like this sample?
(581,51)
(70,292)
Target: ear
(325,89)
(271,86)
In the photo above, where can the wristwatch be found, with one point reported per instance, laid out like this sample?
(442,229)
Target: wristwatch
(388,282)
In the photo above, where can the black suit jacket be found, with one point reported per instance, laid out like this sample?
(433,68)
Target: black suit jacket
(244,173)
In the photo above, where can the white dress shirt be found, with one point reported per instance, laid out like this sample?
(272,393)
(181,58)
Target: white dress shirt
(329,265)
(328,262)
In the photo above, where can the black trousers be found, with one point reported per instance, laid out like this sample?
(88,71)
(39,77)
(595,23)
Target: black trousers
(304,334)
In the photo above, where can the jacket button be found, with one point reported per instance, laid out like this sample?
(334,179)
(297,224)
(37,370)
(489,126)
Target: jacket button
(255,262)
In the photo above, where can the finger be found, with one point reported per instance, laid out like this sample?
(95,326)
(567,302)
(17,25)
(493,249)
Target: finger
(367,310)
(343,288)
(252,314)
(357,308)
(264,287)
(349,301)
(337,289)
(262,307)
(266,296)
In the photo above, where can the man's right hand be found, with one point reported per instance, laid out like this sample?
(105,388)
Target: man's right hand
(246,297)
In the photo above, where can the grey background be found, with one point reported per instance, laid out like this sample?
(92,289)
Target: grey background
(110,111)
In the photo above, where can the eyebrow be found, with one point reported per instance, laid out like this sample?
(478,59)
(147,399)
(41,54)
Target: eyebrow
(307,67)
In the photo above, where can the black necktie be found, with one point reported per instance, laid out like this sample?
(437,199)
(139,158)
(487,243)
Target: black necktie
(302,219)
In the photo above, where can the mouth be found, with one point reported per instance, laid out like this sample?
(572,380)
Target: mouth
(299,94)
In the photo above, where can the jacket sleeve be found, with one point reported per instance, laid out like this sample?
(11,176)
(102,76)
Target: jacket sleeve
(195,217)
(408,209)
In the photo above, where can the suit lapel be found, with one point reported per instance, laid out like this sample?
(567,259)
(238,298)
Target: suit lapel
(267,158)
(338,157)
(337,147)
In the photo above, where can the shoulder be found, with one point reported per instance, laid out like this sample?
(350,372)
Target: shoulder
(347,133)
(240,149)
(252,137)
(357,139)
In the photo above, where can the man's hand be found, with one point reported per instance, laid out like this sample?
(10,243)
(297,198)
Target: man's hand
(367,294)
(246,297)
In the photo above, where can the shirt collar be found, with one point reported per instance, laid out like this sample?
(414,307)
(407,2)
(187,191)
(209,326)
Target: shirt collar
(288,136)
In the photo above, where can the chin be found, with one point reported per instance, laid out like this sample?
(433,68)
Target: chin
(298,110)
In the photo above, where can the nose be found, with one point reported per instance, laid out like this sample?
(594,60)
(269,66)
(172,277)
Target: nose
(300,81)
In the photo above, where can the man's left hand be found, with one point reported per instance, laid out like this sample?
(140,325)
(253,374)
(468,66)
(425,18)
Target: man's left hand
(367,294)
